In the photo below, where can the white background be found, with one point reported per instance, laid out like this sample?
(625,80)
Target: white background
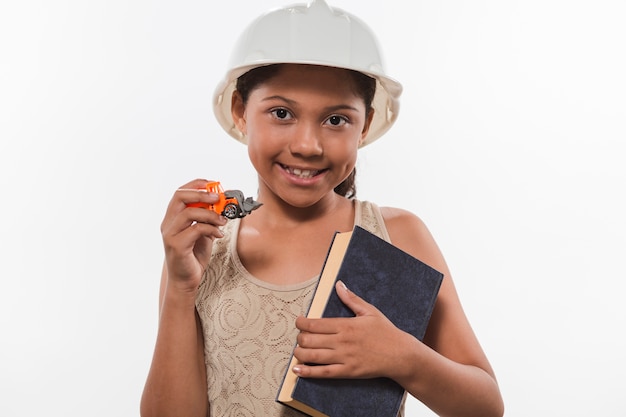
(508,145)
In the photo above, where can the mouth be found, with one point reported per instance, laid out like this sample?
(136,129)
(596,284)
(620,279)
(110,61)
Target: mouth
(302,173)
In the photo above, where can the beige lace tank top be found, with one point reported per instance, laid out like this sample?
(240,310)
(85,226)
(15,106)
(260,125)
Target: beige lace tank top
(248,327)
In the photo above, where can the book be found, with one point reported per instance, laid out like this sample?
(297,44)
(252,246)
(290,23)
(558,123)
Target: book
(401,286)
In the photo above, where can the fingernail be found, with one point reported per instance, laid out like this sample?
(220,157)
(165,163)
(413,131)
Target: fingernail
(297,369)
(343,285)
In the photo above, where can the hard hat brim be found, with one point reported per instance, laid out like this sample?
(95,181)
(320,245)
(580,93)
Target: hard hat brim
(386,102)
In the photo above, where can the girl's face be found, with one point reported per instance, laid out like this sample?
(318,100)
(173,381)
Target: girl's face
(303,127)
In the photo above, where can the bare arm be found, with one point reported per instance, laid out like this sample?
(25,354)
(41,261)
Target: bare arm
(176,384)
(449,372)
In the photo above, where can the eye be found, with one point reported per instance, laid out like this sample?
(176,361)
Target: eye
(281,113)
(337,120)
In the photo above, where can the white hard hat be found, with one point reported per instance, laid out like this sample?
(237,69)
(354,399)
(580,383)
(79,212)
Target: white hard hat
(312,33)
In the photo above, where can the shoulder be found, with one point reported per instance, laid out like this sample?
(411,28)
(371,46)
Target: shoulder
(449,332)
(397,217)
(408,232)
(403,225)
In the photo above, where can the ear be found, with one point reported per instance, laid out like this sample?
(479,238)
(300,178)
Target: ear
(238,112)
(366,127)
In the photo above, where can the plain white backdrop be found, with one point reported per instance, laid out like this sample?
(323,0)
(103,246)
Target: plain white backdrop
(509,145)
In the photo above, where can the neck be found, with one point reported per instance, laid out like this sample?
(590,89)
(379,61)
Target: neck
(332,210)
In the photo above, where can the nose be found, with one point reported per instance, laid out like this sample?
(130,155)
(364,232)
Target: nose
(306,141)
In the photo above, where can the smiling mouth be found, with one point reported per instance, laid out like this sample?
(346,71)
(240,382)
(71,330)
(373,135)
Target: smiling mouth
(302,173)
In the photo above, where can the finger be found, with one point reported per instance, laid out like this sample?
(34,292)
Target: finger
(194,218)
(181,201)
(188,253)
(309,340)
(194,197)
(198,230)
(192,192)
(319,356)
(355,303)
(318,371)
(182,233)
(202,249)
(318,326)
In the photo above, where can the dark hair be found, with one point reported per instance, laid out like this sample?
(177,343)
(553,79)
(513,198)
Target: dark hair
(365,87)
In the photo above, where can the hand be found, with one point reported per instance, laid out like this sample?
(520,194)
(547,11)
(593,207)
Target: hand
(365,346)
(188,234)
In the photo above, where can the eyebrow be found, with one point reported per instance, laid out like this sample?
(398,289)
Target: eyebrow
(294,103)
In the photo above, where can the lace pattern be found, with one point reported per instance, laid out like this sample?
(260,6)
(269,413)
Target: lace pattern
(248,327)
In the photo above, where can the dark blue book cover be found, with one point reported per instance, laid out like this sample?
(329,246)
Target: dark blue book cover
(400,286)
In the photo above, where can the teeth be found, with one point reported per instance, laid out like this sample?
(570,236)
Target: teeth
(303,173)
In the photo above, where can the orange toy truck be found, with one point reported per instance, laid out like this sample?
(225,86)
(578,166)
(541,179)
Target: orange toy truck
(231,203)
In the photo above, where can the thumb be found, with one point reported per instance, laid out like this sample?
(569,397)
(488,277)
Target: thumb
(359,306)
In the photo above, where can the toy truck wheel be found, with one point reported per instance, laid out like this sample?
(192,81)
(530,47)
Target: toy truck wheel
(231,211)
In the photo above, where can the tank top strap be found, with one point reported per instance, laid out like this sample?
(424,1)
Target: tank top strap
(368,216)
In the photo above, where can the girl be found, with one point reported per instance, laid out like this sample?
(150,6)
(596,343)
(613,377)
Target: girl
(233,293)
